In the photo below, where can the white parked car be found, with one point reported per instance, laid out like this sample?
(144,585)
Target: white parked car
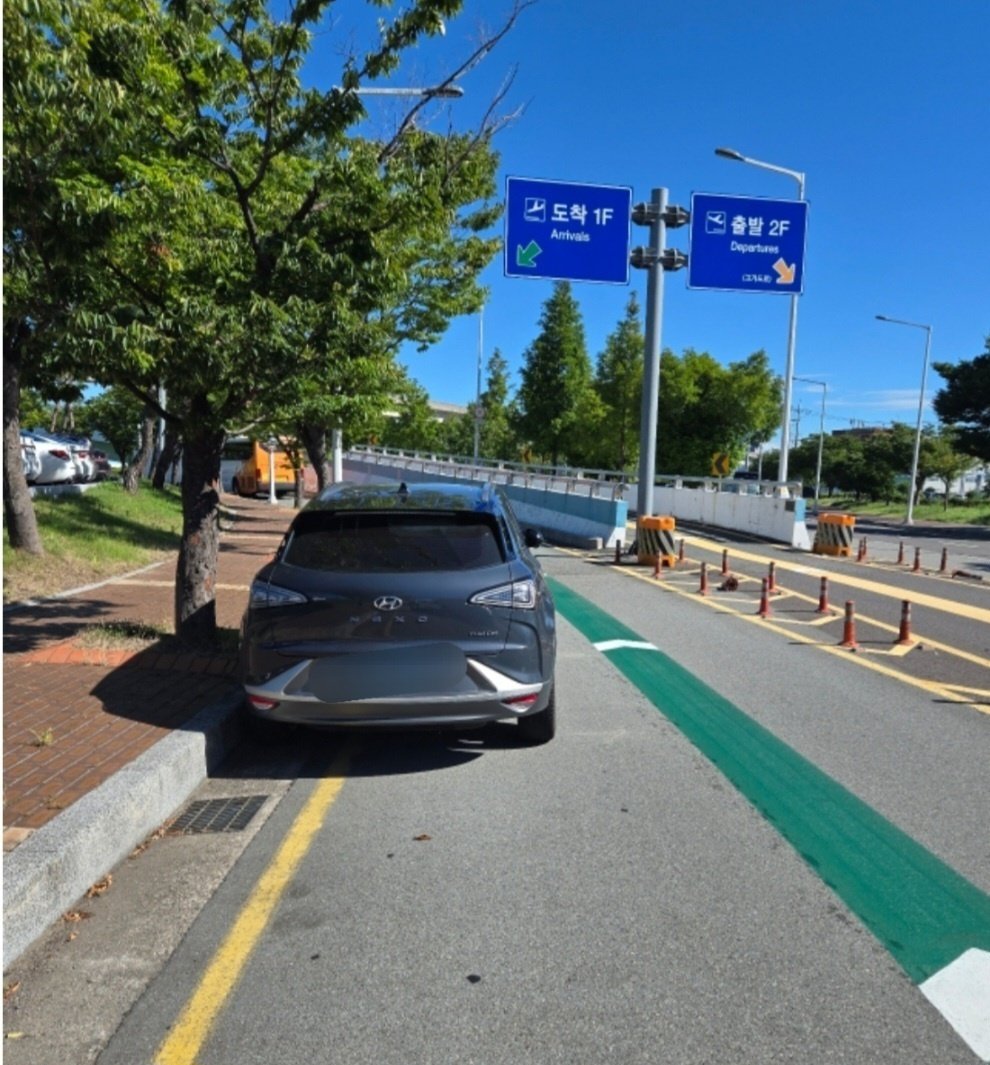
(78,447)
(30,459)
(57,465)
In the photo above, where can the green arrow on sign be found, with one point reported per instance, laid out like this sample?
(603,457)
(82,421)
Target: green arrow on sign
(527,256)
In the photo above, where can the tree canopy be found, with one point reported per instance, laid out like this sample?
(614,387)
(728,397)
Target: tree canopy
(556,381)
(235,239)
(964,402)
(705,407)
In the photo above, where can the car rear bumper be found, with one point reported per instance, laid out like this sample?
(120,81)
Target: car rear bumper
(481,695)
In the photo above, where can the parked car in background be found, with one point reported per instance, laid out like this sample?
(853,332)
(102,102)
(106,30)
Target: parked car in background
(102,463)
(30,459)
(79,449)
(57,465)
(402,605)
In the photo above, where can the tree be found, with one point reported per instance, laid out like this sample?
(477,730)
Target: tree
(556,377)
(946,461)
(619,384)
(964,402)
(417,427)
(496,436)
(61,117)
(252,241)
(126,422)
(706,408)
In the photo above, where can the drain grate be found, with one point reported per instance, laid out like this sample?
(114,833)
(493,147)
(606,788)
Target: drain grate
(217,815)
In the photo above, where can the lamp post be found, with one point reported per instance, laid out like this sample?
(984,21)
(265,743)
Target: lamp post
(821,435)
(443,92)
(477,393)
(271,445)
(912,488)
(785,432)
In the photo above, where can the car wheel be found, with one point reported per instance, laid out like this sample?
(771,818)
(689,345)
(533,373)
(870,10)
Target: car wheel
(541,726)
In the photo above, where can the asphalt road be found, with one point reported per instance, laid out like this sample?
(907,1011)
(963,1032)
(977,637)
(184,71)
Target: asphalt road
(632,892)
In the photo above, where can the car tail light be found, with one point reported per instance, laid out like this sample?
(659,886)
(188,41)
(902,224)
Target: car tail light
(60,454)
(518,595)
(522,701)
(263,594)
(259,702)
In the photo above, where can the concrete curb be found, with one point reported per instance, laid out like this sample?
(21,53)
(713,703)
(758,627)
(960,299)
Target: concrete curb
(51,869)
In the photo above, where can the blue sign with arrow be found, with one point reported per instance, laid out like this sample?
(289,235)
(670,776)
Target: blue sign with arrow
(567,232)
(747,243)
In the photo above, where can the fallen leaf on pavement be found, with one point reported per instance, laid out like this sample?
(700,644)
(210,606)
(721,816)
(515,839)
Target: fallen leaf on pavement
(159,833)
(421,837)
(11,989)
(76,915)
(101,887)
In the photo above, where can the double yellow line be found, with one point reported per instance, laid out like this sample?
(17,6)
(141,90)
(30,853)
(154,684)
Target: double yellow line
(975,698)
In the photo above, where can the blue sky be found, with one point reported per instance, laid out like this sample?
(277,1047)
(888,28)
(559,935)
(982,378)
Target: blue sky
(884,104)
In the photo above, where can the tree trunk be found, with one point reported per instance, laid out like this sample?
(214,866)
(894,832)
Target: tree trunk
(297,488)
(196,571)
(168,457)
(130,477)
(314,440)
(18,506)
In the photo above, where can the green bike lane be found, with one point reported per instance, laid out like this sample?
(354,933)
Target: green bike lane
(933,921)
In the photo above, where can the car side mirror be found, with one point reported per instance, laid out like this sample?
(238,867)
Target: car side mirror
(533,537)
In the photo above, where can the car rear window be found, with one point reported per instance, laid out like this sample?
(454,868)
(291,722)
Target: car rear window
(394,542)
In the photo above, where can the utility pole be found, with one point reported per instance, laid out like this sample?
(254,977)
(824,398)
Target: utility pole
(655,259)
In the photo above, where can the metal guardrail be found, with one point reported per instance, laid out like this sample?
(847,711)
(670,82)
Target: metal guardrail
(595,484)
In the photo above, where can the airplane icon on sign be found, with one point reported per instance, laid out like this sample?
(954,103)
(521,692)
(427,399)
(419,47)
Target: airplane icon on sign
(715,222)
(535,209)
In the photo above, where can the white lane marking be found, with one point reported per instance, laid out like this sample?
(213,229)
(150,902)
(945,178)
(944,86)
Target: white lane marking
(171,584)
(961,993)
(83,588)
(612,645)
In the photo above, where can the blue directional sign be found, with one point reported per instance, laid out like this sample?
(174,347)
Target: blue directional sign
(555,229)
(747,243)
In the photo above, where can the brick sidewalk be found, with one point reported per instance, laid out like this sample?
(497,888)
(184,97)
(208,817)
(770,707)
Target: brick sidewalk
(73,716)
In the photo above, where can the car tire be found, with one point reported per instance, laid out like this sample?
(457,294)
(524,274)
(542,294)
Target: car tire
(541,726)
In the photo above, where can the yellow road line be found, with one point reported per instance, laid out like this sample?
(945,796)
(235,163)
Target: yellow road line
(201,1011)
(918,598)
(930,644)
(946,692)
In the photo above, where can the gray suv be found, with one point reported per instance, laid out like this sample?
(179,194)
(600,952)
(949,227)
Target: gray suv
(402,606)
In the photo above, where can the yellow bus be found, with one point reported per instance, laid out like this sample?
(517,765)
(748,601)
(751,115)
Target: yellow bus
(252,476)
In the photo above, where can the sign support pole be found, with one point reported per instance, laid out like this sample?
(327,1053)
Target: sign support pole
(651,362)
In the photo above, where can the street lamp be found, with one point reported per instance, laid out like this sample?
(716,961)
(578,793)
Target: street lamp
(443,92)
(909,520)
(785,432)
(821,435)
(477,394)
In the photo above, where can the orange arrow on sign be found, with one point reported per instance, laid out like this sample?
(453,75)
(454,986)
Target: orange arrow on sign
(785,272)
